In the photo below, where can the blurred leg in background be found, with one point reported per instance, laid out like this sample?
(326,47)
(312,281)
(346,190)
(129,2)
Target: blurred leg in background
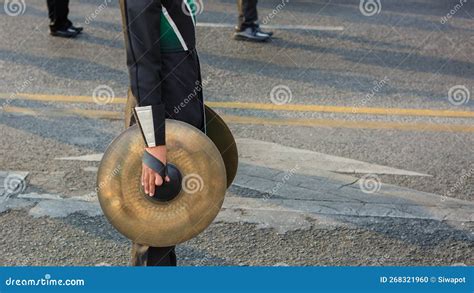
(248,28)
(60,25)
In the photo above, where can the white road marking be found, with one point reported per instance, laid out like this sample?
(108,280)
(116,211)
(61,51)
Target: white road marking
(103,264)
(65,207)
(281,264)
(290,215)
(85,158)
(280,157)
(277,156)
(282,215)
(42,196)
(90,169)
(21,174)
(277,27)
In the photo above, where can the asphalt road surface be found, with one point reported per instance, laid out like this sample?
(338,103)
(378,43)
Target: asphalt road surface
(391,89)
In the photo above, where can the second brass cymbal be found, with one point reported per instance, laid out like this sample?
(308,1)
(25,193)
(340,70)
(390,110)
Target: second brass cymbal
(218,131)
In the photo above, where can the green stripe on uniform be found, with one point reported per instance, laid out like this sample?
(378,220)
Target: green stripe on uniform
(170,37)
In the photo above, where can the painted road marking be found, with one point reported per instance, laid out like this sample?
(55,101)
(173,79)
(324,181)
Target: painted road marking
(350,124)
(343,109)
(280,157)
(335,123)
(58,98)
(84,158)
(267,106)
(276,27)
(64,112)
(283,215)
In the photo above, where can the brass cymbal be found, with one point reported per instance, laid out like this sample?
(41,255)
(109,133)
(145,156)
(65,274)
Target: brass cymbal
(216,129)
(150,222)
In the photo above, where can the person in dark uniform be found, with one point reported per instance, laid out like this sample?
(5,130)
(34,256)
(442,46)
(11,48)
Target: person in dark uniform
(248,28)
(60,25)
(165,79)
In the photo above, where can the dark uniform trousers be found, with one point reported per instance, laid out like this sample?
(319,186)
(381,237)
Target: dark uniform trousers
(58,11)
(169,79)
(248,15)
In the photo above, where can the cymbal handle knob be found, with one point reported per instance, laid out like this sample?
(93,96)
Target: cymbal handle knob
(169,190)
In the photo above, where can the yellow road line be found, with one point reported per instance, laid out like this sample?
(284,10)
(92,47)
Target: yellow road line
(343,109)
(65,112)
(262,121)
(59,98)
(269,107)
(351,124)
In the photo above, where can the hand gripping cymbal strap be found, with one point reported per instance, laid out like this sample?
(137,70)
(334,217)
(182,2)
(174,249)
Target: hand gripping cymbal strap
(155,164)
(168,190)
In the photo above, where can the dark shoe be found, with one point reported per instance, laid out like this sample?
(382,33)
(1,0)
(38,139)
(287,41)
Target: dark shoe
(69,24)
(64,33)
(78,29)
(251,34)
(267,33)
